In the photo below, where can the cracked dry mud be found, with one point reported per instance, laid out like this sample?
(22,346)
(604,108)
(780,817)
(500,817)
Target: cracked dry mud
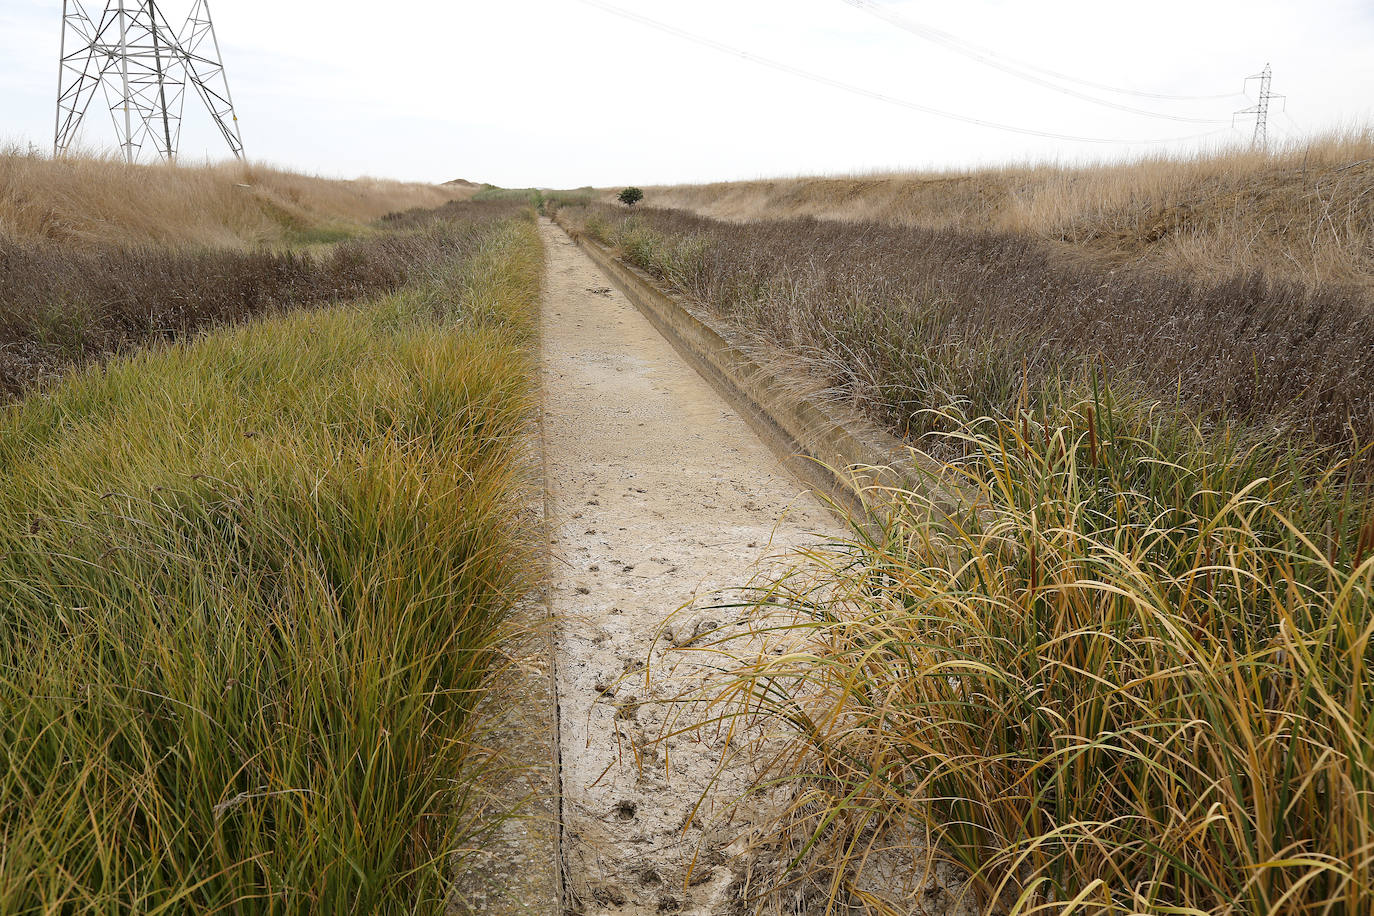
(659,495)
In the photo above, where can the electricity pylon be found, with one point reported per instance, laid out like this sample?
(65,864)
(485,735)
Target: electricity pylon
(142,68)
(1261,109)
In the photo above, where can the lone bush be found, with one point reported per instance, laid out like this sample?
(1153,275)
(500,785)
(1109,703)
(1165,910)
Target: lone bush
(631,196)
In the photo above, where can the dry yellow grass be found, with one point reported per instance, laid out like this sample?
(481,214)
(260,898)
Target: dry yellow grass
(1305,211)
(236,205)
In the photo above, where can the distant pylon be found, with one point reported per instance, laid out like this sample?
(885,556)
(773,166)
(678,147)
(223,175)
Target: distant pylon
(1261,108)
(142,67)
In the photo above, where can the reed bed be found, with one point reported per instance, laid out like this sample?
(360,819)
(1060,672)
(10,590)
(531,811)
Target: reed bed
(253,585)
(65,304)
(1128,673)
(900,320)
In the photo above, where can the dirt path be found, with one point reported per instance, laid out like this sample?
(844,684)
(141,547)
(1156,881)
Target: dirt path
(659,493)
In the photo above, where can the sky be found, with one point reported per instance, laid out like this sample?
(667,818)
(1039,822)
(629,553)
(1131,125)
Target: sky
(564,93)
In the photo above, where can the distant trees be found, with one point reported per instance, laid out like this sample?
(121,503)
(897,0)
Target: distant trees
(631,196)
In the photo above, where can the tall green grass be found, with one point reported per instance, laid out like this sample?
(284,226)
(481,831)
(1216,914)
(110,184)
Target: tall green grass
(1129,673)
(251,587)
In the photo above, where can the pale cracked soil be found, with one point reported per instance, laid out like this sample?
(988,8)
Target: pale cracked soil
(659,495)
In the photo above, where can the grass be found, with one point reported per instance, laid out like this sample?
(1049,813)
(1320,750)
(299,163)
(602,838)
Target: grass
(539,198)
(1129,673)
(1300,212)
(63,304)
(1128,670)
(533,196)
(254,584)
(84,200)
(900,320)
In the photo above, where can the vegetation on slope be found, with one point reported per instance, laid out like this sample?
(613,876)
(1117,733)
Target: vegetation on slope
(1303,212)
(252,586)
(84,200)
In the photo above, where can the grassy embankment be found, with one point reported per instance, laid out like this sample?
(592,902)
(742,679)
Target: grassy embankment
(253,584)
(93,200)
(1131,672)
(97,257)
(1303,212)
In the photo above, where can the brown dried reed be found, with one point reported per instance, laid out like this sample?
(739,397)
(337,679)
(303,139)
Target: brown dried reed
(94,199)
(62,304)
(904,320)
(1303,211)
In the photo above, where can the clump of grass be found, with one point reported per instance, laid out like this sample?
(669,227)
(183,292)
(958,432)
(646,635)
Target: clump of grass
(573,197)
(487,207)
(900,319)
(1128,673)
(252,588)
(545,201)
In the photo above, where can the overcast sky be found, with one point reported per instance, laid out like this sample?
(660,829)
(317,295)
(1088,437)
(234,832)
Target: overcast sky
(560,93)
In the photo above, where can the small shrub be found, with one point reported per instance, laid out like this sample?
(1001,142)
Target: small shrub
(631,196)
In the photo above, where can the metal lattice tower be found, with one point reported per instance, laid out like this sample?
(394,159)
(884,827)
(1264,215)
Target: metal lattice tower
(142,69)
(1261,109)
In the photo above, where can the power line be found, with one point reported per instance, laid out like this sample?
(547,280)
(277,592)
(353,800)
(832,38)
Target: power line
(868,93)
(1018,69)
(962,45)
